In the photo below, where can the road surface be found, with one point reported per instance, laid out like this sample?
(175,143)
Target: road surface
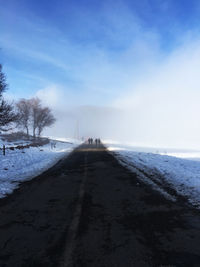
(89,211)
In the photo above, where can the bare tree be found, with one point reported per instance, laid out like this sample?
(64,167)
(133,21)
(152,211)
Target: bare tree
(45,119)
(24,114)
(32,114)
(7,114)
(41,116)
(36,106)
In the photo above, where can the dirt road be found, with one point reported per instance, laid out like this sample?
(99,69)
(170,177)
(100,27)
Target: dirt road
(89,211)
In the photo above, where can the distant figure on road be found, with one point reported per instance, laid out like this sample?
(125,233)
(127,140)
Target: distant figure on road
(90,141)
(99,141)
(96,141)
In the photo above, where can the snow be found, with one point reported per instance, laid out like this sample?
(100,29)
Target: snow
(24,164)
(180,171)
(64,139)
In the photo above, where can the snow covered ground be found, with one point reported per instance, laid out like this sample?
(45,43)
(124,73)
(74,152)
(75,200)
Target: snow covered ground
(180,171)
(24,164)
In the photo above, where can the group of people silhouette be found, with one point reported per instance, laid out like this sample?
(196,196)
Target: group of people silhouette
(97,141)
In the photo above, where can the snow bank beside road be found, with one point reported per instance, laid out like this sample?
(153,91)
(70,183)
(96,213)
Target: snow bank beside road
(21,165)
(181,174)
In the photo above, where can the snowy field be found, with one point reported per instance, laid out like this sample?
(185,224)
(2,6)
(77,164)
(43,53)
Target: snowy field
(24,164)
(180,169)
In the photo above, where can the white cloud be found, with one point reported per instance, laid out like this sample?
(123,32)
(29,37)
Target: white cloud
(51,95)
(164,109)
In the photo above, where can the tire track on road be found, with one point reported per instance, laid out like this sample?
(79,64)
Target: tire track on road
(66,260)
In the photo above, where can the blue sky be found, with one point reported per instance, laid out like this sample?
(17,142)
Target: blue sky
(51,42)
(103,53)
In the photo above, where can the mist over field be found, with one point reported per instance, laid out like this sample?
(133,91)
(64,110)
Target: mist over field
(161,109)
